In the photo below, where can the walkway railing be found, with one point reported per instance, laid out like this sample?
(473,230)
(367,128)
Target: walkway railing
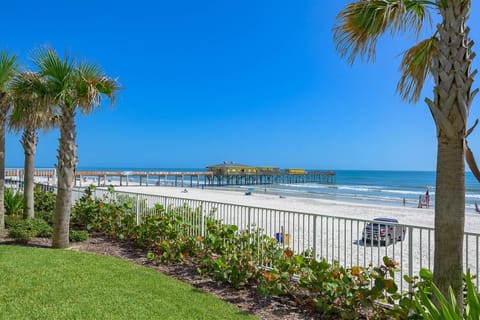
(333,238)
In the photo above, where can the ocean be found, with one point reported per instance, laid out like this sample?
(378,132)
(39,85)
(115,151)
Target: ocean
(378,187)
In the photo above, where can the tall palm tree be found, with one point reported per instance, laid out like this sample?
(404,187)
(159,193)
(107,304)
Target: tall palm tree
(447,57)
(74,87)
(31,111)
(8,68)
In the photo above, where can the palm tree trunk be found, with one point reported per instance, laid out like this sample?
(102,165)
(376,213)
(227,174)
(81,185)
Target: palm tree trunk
(67,161)
(449,217)
(29,142)
(450,109)
(3,119)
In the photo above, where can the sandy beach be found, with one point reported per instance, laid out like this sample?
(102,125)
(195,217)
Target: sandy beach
(422,217)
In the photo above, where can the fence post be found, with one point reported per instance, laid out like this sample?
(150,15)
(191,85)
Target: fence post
(202,222)
(137,210)
(314,237)
(410,256)
(249,219)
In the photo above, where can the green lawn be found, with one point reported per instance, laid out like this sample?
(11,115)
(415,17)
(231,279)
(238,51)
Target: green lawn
(60,284)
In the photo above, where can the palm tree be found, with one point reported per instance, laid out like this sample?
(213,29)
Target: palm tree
(8,68)
(447,57)
(74,86)
(32,111)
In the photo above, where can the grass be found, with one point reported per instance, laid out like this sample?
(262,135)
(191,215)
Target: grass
(40,283)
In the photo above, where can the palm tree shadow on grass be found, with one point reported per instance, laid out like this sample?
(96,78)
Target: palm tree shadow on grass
(23,244)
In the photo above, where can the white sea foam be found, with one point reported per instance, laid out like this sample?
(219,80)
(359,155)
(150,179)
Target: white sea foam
(405,192)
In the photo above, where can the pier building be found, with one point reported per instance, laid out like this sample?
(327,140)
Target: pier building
(240,174)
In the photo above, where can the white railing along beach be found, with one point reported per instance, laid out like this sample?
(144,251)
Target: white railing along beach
(330,237)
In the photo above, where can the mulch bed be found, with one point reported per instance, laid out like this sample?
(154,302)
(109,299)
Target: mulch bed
(246,299)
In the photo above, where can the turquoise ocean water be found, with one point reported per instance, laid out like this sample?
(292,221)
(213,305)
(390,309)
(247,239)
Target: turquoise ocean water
(382,187)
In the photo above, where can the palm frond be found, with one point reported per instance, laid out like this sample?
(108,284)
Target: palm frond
(92,84)
(27,83)
(51,65)
(27,114)
(89,70)
(8,68)
(361,23)
(416,65)
(88,75)
(32,103)
(93,74)
(74,84)
(108,87)
(57,71)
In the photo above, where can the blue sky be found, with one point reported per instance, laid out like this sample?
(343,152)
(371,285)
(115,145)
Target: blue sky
(255,82)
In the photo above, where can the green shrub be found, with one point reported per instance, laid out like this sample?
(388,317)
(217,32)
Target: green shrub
(20,234)
(238,265)
(13,202)
(427,302)
(25,230)
(104,214)
(167,235)
(45,215)
(232,256)
(13,221)
(78,235)
(127,227)
(44,201)
(279,278)
(40,227)
(128,202)
(472,300)
(85,209)
(332,290)
(107,217)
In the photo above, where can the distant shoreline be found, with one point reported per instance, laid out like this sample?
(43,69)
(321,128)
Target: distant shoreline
(387,188)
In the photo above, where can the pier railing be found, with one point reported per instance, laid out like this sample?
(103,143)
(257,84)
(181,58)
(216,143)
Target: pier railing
(333,238)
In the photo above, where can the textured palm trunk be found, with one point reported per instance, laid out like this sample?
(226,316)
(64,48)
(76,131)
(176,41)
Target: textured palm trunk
(3,118)
(450,108)
(67,161)
(449,217)
(29,142)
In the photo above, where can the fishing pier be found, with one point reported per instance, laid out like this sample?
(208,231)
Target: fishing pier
(142,178)
(225,174)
